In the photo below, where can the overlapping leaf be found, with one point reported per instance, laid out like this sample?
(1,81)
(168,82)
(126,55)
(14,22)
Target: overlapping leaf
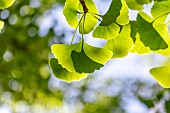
(120,45)
(6,3)
(63,73)
(1,25)
(160,8)
(149,36)
(71,9)
(142,2)
(81,57)
(117,13)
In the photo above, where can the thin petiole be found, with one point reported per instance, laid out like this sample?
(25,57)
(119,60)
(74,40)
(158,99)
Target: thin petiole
(76,29)
(96,17)
(96,14)
(79,12)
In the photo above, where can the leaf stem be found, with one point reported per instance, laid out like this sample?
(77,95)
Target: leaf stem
(96,17)
(76,29)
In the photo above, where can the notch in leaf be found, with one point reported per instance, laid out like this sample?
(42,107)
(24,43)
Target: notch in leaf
(117,14)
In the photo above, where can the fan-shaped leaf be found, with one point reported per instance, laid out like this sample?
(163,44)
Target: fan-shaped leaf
(120,45)
(143,1)
(149,36)
(162,75)
(90,58)
(63,73)
(160,8)
(6,3)
(83,64)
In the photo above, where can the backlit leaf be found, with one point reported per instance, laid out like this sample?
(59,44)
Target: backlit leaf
(70,12)
(120,45)
(160,8)
(63,73)
(106,32)
(143,1)
(149,36)
(6,3)
(162,75)
(90,58)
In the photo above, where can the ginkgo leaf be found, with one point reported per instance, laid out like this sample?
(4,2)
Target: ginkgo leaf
(106,32)
(162,28)
(6,3)
(69,56)
(149,36)
(139,47)
(162,75)
(70,12)
(64,74)
(90,21)
(112,14)
(120,45)
(132,4)
(83,64)
(160,8)
(1,25)
(63,53)
(108,28)
(90,58)
(123,18)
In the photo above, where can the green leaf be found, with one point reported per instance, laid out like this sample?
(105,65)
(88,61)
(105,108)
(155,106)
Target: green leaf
(90,20)
(161,74)
(70,12)
(64,74)
(106,32)
(108,29)
(160,8)
(123,18)
(63,53)
(149,36)
(132,4)
(1,25)
(120,45)
(83,64)
(112,14)
(6,3)
(74,58)
(90,59)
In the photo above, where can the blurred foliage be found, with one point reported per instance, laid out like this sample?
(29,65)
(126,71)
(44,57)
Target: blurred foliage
(26,83)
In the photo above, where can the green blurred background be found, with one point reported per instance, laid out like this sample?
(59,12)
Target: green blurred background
(28,86)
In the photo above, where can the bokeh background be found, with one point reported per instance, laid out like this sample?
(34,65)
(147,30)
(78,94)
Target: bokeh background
(27,84)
